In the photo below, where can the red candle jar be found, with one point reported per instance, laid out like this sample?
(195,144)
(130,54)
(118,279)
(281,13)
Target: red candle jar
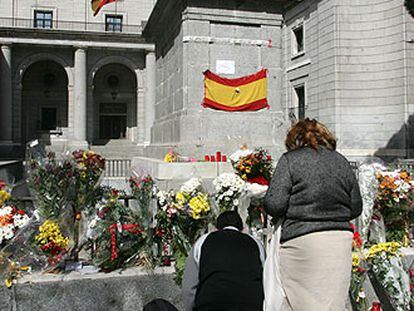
(218,156)
(207,158)
(212,158)
(224,158)
(376,306)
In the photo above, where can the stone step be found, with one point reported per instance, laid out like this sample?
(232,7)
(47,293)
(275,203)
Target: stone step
(118,149)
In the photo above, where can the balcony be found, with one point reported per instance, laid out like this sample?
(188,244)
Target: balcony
(75,26)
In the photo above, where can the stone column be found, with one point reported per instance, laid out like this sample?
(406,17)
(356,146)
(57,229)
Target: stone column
(149,109)
(80,96)
(5,95)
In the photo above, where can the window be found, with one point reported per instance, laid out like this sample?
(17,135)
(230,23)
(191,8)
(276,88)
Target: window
(43,19)
(300,100)
(298,42)
(113,23)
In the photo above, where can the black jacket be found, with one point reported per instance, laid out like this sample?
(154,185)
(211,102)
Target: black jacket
(313,191)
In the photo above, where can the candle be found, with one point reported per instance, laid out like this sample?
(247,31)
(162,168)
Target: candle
(218,156)
(212,158)
(376,306)
(224,158)
(207,158)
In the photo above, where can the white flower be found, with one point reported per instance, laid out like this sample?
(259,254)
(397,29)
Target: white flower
(235,202)
(5,210)
(21,220)
(7,232)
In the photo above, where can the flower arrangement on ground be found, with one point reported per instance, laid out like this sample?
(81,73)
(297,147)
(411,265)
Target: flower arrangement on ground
(228,189)
(11,218)
(395,202)
(184,216)
(386,263)
(52,242)
(171,156)
(117,238)
(254,167)
(359,273)
(142,187)
(67,187)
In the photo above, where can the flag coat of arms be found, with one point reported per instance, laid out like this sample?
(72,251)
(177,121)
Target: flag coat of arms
(248,93)
(98,4)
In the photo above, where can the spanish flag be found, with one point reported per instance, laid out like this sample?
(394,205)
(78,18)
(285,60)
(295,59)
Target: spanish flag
(98,4)
(247,93)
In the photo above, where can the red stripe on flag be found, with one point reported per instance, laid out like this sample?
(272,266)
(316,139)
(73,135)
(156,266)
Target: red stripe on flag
(103,2)
(237,81)
(257,105)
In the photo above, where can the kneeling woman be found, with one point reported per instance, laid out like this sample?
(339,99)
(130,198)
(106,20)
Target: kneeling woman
(315,192)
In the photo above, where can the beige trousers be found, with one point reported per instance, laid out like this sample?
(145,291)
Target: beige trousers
(316,270)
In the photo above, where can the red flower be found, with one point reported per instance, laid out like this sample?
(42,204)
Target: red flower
(21,212)
(2,184)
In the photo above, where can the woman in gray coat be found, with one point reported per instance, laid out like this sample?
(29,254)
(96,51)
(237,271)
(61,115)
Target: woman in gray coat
(315,192)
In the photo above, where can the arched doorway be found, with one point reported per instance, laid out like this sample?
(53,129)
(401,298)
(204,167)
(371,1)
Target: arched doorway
(115,101)
(44,100)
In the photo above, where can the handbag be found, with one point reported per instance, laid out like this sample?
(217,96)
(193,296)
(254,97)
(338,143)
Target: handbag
(273,291)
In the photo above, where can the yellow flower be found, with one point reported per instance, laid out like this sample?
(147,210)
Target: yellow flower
(4,196)
(355,260)
(199,205)
(180,198)
(83,175)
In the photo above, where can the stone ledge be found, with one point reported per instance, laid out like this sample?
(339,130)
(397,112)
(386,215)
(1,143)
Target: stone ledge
(130,289)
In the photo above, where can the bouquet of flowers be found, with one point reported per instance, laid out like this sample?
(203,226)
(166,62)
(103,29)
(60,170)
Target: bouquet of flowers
(386,263)
(67,187)
(228,189)
(116,237)
(359,272)
(52,242)
(142,186)
(395,202)
(171,156)
(183,217)
(11,219)
(254,167)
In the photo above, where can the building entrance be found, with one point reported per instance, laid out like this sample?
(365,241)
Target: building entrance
(112,121)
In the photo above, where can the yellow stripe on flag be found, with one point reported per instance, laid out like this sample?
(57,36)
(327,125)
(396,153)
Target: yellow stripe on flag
(236,96)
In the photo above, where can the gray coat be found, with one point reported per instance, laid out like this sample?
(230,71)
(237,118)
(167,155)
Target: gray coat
(313,191)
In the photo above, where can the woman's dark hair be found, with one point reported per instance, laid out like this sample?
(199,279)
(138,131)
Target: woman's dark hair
(311,133)
(229,218)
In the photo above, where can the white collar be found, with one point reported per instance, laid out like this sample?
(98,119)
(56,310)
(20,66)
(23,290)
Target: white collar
(230,228)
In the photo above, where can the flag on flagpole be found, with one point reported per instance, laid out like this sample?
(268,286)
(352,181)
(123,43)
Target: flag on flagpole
(98,4)
(248,93)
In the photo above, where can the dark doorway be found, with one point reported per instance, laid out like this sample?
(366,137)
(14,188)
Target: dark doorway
(49,119)
(112,121)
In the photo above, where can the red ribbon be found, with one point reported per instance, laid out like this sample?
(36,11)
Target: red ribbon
(131,228)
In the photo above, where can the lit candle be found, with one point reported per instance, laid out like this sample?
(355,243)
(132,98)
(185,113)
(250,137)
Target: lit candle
(224,158)
(212,158)
(207,158)
(218,156)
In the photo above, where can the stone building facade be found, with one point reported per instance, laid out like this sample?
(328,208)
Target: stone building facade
(72,79)
(112,80)
(347,63)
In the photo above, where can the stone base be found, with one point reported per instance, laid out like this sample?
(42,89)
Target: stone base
(10,150)
(172,175)
(127,290)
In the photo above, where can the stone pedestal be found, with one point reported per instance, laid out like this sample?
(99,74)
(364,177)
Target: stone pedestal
(127,290)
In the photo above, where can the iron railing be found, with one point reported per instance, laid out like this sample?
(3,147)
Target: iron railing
(29,23)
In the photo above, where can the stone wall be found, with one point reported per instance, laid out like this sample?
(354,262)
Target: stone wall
(120,290)
(199,34)
(356,68)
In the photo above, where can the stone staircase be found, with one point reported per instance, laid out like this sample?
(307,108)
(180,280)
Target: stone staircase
(117,149)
